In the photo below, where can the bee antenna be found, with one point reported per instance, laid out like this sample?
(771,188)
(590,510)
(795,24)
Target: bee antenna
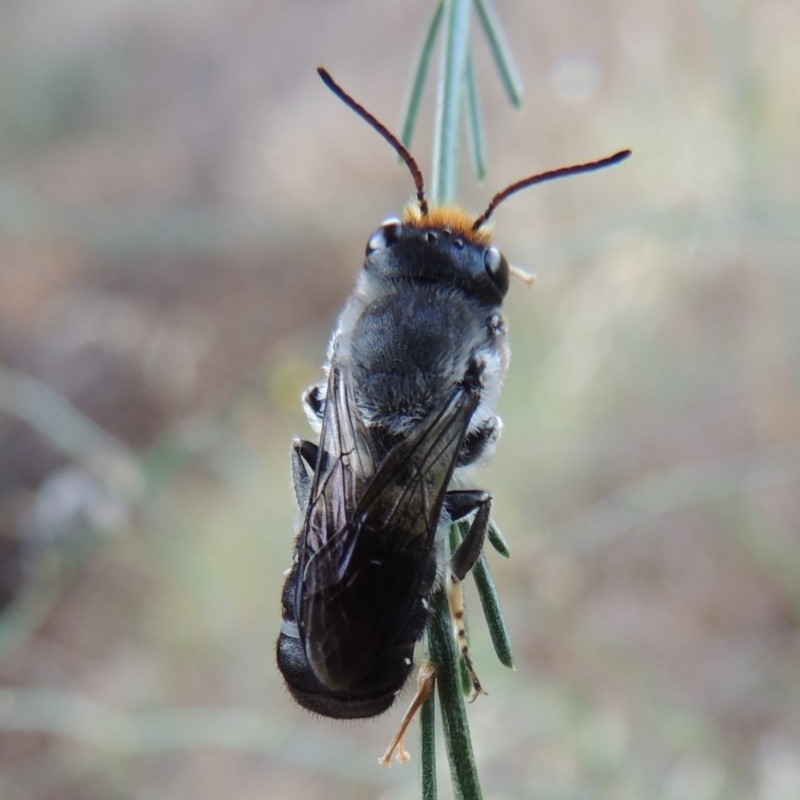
(541,177)
(376,124)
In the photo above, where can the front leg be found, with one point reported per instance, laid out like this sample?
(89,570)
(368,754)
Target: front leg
(304,454)
(314,404)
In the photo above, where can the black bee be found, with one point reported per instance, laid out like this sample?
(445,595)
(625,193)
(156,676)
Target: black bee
(414,371)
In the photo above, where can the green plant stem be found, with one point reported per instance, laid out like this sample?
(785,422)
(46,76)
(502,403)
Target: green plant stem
(463,771)
(427,728)
(71,432)
(448,105)
(457,102)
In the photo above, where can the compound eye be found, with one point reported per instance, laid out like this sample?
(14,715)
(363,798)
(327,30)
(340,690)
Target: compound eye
(385,236)
(496,268)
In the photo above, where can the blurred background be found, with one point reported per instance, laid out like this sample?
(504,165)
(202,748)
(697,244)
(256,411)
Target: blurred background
(184,208)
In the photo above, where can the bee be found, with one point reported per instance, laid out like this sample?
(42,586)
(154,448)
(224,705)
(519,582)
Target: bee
(412,378)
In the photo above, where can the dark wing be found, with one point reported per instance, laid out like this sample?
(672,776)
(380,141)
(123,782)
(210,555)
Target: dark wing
(359,585)
(407,492)
(344,467)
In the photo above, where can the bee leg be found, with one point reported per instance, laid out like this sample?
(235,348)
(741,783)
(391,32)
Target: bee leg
(314,402)
(303,453)
(426,679)
(461,562)
(480,442)
(460,503)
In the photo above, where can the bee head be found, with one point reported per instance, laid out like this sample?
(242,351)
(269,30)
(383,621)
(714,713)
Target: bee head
(440,248)
(471,230)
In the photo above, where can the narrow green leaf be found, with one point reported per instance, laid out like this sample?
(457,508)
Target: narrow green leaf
(495,620)
(503,59)
(477,138)
(456,534)
(497,540)
(421,72)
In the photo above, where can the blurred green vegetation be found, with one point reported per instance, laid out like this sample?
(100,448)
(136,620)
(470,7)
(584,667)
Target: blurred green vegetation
(183,209)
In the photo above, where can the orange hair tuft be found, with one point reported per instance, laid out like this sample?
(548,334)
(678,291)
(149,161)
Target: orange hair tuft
(448,218)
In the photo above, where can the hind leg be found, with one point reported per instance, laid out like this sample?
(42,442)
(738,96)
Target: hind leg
(461,562)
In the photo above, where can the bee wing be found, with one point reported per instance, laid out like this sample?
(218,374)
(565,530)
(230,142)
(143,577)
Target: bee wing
(399,504)
(344,466)
(407,492)
(360,584)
